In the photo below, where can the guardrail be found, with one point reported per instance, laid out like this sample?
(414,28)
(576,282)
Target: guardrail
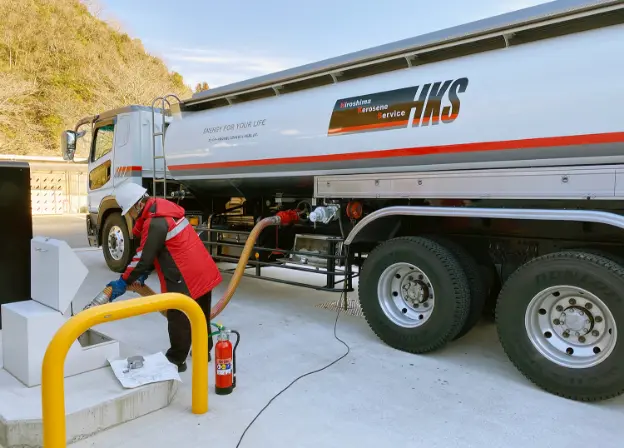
(53,378)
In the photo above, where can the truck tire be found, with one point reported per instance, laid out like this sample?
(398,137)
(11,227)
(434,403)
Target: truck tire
(558,318)
(116,243)
(414,294)
(476,281)
(601,253)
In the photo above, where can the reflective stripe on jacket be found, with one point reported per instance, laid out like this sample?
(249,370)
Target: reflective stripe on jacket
(170,245)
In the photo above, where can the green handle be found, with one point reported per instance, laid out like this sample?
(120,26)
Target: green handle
(219,327)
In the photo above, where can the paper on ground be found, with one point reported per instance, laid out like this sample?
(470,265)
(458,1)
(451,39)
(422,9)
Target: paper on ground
(155,368)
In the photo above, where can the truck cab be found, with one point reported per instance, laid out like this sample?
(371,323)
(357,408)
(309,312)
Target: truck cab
(124,147)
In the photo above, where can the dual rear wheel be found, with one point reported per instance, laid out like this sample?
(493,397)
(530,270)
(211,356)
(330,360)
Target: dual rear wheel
(557,319)
(556,316)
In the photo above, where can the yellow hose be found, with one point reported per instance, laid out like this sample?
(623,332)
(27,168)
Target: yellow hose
(242,263)
(238,273)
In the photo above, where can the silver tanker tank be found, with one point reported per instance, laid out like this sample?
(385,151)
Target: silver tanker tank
(551,102)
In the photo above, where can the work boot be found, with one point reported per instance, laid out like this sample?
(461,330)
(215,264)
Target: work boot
(181,367)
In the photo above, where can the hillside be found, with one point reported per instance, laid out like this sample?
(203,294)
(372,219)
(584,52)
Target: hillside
(59,63)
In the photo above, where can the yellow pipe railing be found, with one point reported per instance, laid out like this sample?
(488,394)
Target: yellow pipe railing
(53,378)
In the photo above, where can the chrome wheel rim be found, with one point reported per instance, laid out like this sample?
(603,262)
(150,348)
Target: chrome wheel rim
(571,327)
(406,295)
(116,244)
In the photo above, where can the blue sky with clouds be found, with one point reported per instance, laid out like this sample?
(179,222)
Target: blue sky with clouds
(229,41)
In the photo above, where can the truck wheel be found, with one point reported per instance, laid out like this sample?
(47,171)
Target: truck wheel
(601,253)
(116,243)
(557,320)
(476,282)
(414,294)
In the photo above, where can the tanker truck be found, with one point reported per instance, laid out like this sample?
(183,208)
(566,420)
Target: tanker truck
(474,169)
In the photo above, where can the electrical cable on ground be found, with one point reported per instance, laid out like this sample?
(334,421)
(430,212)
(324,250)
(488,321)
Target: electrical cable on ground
(342,296)
(300,377)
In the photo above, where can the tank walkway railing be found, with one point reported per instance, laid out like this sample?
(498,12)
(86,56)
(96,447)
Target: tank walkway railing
(331,270)
(53,379)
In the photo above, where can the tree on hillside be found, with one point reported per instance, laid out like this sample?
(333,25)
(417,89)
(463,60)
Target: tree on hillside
(201,86)
(52,74)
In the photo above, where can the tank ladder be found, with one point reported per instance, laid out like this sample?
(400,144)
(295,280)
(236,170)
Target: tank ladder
(165,111)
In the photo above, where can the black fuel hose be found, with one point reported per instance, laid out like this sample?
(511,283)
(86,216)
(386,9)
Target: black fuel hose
(234,357)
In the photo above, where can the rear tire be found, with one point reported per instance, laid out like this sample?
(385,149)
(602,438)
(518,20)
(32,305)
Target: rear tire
(476,282)
(560,319)
(414,294)
(116,242)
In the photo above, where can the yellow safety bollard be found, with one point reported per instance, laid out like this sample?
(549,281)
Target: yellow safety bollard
(53,379)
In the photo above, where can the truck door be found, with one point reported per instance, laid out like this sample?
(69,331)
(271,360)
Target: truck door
(100,163)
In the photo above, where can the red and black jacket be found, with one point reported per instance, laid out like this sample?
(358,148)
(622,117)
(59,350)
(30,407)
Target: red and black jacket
(170,245)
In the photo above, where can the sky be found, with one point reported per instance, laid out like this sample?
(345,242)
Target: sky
(229,41)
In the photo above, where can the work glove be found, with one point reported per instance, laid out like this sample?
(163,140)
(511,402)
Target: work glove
(119,288)
(142,279)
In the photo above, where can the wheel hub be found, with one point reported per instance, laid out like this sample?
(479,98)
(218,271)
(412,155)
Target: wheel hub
(116,243)
(574,321)
(571,326)
(414,291)
(406,295)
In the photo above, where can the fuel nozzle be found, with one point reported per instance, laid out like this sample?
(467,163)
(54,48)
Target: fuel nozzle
(101,299)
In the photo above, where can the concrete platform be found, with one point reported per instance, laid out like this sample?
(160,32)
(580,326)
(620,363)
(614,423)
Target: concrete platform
(94,401)
(466,395)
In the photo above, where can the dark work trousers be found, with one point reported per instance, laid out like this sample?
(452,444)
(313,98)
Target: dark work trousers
(180,331)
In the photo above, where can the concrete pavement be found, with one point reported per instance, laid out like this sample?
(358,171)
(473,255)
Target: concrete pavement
(71,228)
(466,395)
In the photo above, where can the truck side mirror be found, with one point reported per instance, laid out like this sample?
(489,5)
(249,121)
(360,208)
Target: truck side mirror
(68,144)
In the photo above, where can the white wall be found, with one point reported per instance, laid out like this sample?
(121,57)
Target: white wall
(57,186)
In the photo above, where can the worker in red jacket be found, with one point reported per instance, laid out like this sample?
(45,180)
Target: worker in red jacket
(169,245)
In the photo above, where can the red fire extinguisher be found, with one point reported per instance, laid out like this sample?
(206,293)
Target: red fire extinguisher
(225,362)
